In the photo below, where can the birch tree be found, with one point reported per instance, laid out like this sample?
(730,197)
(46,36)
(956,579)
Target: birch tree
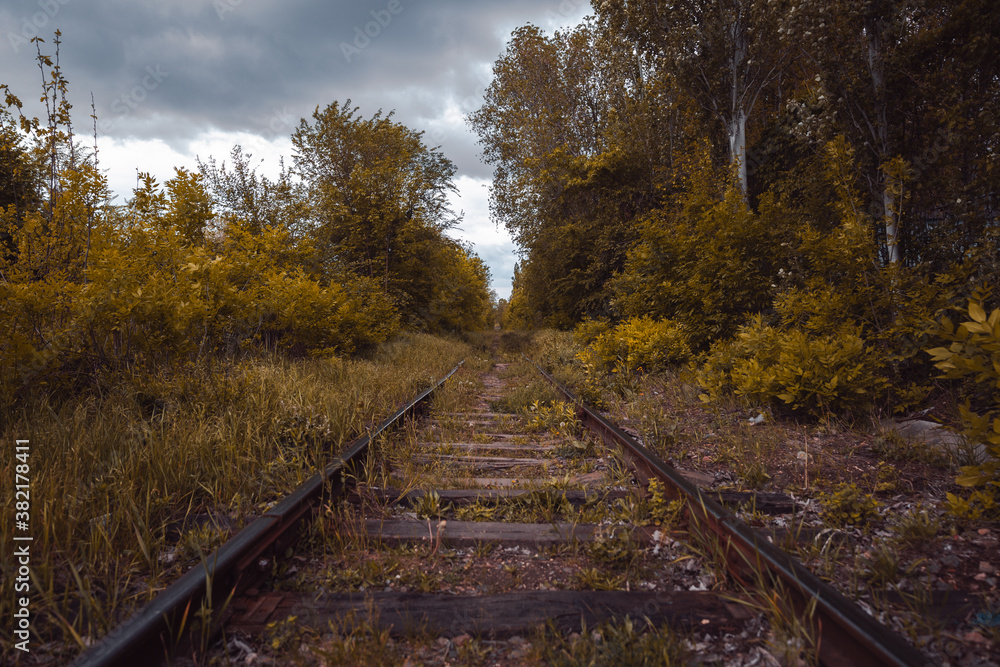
(857,48)
(725,54)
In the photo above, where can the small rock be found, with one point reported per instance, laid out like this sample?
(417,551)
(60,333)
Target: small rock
(987,568)
(950,561)
(461,639)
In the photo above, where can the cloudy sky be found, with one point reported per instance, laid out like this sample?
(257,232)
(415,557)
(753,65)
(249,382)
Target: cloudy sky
(173,80)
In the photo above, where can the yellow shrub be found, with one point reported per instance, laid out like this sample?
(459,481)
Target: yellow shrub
(974,354)
(642,343)
(586,331)
(807,372)
(331,319)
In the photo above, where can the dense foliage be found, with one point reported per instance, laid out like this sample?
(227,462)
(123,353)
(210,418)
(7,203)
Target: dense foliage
(803,189)
(332,257)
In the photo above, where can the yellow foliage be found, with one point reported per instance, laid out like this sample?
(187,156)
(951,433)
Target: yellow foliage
(974,354)
(807,372)
(90,288)
(640,343)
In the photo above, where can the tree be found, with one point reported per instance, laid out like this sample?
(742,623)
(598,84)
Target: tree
(380,199)
(725,54)
(189,208)
(950,106)
(540,110)
(20,179)
(238,193)
(578,134)
(461,299)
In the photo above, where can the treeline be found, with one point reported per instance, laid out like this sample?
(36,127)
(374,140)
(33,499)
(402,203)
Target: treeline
(336,254)
(799,190)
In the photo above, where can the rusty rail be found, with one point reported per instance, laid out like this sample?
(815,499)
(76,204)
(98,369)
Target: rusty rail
(846,634)
(242,559)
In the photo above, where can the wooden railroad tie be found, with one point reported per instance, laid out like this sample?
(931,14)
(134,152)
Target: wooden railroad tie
(496,616)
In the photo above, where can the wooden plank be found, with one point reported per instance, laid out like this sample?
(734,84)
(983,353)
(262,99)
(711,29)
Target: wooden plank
(697,478)
(469,496)
(532,438)
(766,503)
(469,421)
(504,482)
(480,460)
(479,415)
(470,533)
(505,614)
(590,478)
(491,482)
(496,446)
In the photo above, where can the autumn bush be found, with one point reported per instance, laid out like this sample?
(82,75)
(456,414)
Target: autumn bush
(814,349)
(640,343)
(973,355)
(587,331)
(707,261)
(220,262)
(795,369)
(147,295)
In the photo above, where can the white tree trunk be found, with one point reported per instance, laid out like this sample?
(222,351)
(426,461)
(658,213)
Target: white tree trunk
(891,224)
(737,104)
(738,147)
(876,66)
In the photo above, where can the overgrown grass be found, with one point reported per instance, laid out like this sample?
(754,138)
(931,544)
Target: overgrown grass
(624,642)
(121,476)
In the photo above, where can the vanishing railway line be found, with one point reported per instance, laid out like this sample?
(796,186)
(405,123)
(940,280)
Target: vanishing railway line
(458,517)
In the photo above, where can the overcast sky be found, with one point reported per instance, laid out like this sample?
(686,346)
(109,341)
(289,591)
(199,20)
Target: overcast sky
(176,79)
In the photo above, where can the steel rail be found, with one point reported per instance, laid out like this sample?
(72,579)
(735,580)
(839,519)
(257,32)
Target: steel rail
(847,635)
(151,633)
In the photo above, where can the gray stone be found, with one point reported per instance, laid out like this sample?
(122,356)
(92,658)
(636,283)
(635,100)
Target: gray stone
(935,435)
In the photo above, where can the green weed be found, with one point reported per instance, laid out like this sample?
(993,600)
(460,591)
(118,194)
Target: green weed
(624,642)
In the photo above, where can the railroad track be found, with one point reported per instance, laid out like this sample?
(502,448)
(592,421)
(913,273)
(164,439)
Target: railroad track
(461,520)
